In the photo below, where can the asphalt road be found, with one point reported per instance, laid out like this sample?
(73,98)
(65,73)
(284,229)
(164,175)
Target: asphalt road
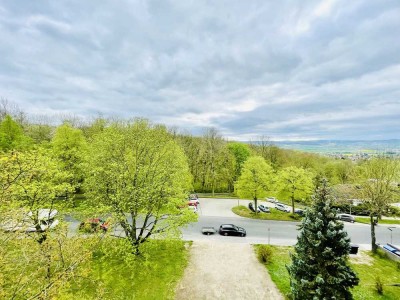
(214,212)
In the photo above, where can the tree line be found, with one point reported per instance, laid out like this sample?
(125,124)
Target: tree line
(141,174)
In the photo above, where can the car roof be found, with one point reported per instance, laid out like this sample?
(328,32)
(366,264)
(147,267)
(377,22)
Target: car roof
(228,225)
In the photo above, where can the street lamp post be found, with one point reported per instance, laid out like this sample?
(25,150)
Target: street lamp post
(391,230)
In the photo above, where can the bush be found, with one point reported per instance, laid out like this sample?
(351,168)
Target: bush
(264,253)
(379,285)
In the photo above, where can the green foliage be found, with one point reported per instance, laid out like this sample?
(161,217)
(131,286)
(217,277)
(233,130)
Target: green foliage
(296,182)
(255,180)
(70,149)
(363,263)
(11,135)
(264,253)
(29,270)
(377,188)
(319,268)
(39,133)
(241,152)
(114,273)
(379,285)
(137,168)
(211,164)
(96,127)
(277,268)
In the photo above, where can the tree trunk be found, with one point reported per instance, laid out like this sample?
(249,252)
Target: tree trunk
(373,237)
(136,249)
(255,204)
(292,202)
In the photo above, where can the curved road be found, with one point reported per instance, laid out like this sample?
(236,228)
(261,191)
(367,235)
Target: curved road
(214,212)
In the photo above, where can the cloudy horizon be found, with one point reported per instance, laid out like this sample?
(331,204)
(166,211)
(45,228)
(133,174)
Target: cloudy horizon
(292,70)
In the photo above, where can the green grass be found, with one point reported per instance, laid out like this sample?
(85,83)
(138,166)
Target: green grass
(371,267)
(116,274)
(388,271)
(366,220)
(275,214)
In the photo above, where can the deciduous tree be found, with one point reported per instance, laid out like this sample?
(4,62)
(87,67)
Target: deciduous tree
(256,179)
(12,135)
(241,152)
(139,172)
(378,187)
(70,148)
(297,182)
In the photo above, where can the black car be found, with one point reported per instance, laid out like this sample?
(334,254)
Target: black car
(299,211)
(230,229)
(264,208)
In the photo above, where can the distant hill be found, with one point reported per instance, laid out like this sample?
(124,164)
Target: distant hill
(343,147)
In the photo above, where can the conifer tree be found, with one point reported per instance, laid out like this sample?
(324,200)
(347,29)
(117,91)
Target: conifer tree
(319,268)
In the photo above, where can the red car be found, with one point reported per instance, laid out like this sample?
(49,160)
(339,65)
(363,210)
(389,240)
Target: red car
(93,225)
(192,203)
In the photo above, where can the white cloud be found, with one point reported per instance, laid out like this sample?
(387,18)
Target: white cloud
(287,70)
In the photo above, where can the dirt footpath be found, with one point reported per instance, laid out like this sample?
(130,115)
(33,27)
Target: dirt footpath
(225,271)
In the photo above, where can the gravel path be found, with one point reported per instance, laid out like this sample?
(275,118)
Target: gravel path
(225,271)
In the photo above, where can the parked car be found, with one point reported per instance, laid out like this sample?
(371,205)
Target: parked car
(264,208)
(45,218)
(299,211)
(29,225)
(94,225)
(207,230)
(282,207)
(251,207)
(272,199)
(230,229)
(193,203)
(194,197)
(346,217)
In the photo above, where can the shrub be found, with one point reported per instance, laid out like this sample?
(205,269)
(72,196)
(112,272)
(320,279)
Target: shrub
(379,285)
(264,253)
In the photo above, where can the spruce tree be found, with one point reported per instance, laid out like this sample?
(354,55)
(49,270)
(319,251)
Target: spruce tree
(319,268)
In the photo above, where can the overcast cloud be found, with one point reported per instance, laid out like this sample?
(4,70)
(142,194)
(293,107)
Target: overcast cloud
(283,69)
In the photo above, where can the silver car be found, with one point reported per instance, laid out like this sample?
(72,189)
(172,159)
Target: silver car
(346,217)
(282,207)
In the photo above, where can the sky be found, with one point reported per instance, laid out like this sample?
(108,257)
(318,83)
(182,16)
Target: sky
(285,70)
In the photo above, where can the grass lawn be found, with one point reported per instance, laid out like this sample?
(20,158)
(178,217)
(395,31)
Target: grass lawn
(115,274)
(275,214)
(366,265)
(366,220)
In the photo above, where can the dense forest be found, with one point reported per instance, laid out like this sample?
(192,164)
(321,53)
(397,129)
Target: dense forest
(214,162)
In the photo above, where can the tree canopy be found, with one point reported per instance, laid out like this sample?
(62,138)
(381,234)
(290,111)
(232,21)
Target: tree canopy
(255,180)
(296,182)
(12,135)
(378,187)
(138,169)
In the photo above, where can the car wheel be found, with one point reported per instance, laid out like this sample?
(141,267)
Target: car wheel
(225,233)
(243,234)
